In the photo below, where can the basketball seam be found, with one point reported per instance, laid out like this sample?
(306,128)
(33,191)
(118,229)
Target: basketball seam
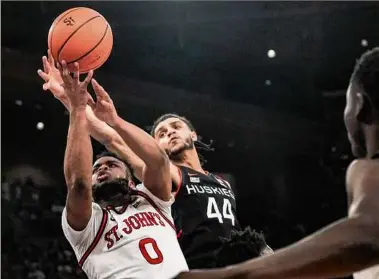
(52,33)
(107,54)
(88,52)
(72,34)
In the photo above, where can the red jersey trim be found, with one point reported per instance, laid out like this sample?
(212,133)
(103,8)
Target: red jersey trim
(97,238)
(227,183)
(122,210)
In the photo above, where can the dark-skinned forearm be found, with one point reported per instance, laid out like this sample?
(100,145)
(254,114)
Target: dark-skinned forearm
(78,155)
(340,249)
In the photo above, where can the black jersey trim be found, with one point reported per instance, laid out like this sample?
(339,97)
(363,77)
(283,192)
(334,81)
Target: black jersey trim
(227,183)
(180,182)
(97,238)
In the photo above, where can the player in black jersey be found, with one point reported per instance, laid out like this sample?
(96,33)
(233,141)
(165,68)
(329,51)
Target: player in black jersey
(205,207)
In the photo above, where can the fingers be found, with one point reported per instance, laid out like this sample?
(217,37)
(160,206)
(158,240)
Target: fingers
(65,73)
(87,80)
(99,91)
(76,72)
(106,105)
(43,75)
(91,102)
(45,86)
(50,58)
(45,63)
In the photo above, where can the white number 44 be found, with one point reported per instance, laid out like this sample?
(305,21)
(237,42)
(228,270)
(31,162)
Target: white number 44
(214,212)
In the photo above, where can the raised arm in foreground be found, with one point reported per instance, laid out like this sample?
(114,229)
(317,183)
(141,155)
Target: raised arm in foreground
(78,155)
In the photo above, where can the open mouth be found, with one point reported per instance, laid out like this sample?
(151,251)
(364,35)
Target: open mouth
(103,176)
(174,139)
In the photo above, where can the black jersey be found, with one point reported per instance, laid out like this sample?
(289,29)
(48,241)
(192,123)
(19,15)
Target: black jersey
(204,212)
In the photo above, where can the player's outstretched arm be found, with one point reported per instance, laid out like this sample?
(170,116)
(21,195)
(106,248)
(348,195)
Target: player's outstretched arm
(156,172)
(78,154)
(112,141)
(98,129)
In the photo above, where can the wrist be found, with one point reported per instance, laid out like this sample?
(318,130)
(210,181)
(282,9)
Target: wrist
(115,123)
(78,110)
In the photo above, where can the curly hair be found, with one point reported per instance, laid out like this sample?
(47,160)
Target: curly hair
(241,246)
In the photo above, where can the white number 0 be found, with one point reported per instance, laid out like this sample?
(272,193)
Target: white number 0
(214,212)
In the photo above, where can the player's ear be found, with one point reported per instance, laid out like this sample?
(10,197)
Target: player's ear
(364,109)
(131,184)
(360,102)
(193,136)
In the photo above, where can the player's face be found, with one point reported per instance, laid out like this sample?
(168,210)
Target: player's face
(354,103)
(106,169)
(174,136)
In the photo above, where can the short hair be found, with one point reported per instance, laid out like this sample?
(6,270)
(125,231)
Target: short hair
(366,74)
(167,116)
(129,169)
(241,246)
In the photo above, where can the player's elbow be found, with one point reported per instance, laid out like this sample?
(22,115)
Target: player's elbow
(77,184)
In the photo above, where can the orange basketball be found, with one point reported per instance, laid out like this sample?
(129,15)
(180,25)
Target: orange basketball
(81,35)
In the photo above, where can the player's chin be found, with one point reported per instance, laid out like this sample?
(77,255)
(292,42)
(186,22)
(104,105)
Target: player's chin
(177,149)
(103,180)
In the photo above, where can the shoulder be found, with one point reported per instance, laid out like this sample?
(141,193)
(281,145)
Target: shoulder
(98,217)
(141,190)
(362,184)
(362,172)
(162,207)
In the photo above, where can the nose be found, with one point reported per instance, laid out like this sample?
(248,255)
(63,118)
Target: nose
(170,132)
(103,168)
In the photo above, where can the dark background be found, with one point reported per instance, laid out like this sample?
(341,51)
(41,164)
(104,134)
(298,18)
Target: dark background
(284,144)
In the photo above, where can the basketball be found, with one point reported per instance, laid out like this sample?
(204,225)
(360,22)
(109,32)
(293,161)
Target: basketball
(81,35)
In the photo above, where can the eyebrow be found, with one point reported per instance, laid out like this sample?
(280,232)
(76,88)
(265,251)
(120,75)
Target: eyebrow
(95,166)
(171,123)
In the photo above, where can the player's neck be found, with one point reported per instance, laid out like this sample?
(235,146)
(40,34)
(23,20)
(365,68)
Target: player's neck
(115,201)
(190,158)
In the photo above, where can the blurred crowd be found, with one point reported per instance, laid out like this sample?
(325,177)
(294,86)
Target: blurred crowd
(33,245)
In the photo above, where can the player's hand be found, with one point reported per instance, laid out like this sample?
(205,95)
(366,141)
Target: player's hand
(74,89)
(53,79)
(104,108)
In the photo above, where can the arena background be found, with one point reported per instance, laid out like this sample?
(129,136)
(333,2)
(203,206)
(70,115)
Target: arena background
(275,123)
